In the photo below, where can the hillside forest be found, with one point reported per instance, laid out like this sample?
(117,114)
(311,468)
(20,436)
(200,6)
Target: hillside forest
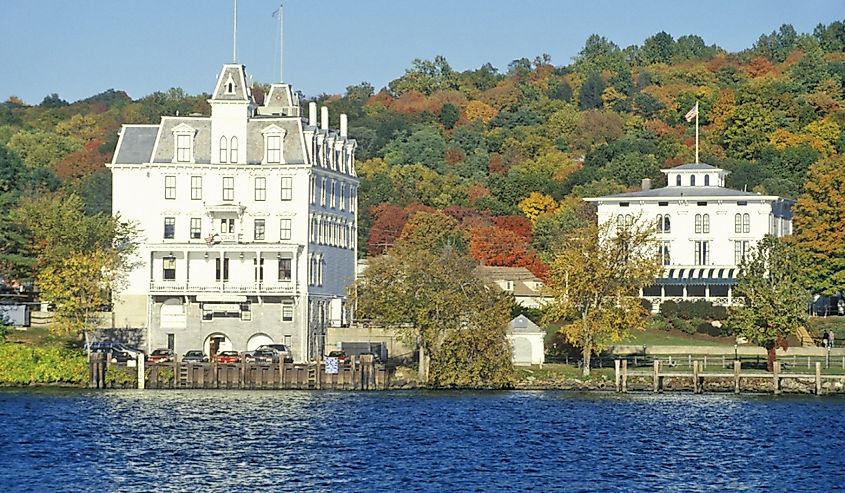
(507,152)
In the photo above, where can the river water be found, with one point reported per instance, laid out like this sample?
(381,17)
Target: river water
(62,440)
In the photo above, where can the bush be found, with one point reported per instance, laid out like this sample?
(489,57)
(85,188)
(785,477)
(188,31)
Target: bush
(689,310)
(25,365)
(709,329)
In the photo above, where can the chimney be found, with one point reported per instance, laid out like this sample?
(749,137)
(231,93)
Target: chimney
(343,125)
(312,114)
(324,114)
(646,184)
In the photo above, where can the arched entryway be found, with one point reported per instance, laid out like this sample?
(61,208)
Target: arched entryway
(258,340)
(215,344)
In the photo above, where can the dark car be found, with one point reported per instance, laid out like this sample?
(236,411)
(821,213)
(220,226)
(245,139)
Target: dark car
(228,357)
(161,356)
(194,356)
(282,351)
(263,357)
(120,353)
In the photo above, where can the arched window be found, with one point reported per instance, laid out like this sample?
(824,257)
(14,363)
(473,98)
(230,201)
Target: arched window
(698,223)
(233,151)
(667,225)
(659,223)
(620,222)
(223,153)
(746,223)
(705,227)
(230,88)
(692,180)
(706,180)
(738,223)
(678,180)
(629,220)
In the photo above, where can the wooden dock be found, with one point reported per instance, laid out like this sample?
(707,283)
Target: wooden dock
(359,374)
(699,378)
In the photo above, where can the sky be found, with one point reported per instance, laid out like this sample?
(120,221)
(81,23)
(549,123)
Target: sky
(80,48)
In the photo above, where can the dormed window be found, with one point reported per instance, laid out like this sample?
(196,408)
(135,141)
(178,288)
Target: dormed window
(224,152)
(273,139)
(183,143)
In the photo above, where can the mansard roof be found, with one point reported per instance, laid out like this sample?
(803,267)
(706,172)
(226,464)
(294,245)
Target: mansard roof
(234,74)
(683,192)
(693,167)
(136,144)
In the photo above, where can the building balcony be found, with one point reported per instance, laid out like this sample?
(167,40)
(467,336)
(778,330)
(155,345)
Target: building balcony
(192,288)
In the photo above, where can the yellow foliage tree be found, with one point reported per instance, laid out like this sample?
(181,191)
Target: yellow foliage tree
(822,135)
(477,110)
(595,279)
(536,205)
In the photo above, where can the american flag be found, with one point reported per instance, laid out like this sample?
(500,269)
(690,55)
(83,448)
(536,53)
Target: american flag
(692,113)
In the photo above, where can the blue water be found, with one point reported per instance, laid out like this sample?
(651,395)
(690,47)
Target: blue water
(54,440)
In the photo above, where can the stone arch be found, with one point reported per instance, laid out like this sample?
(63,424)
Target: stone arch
(256,340)
(216,343)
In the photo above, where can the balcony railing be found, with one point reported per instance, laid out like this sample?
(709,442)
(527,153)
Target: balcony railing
(167,287)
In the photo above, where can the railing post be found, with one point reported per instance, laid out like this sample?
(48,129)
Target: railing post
(818,378)
(656,375)
(617,375)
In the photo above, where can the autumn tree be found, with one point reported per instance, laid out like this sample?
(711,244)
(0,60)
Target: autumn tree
(771,283)
(595,278)
(537,204)
(819,224)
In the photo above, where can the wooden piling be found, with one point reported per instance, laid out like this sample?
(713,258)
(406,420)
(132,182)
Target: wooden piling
(617,375)
(737,366)
(776,377)
(656,375)
(624,376)
(695,383)
(818,378)
(142,374)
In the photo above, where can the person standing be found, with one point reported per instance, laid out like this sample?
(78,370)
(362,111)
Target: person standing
(824,339)
(830,336)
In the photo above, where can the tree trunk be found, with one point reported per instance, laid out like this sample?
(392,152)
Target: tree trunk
(772,356)
(87,344)
(422,369)
(586,354)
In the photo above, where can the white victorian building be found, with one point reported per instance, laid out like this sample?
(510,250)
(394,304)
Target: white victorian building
(704,229)
(247,220)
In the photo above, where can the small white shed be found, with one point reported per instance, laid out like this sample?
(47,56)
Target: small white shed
(527,341)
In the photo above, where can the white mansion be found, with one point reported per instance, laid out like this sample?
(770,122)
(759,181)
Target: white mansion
(247,221)
(704,229)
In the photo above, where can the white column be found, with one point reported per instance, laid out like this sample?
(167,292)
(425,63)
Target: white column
(324,117)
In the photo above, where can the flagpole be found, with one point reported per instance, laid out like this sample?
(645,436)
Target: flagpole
(696,132)
(281,43)
(235,31)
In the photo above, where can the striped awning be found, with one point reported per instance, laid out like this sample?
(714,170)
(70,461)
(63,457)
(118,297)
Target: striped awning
(718,276)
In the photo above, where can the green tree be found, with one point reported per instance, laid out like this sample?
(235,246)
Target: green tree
(449,115)
(771,283)
(657,49)
(590,96)
(595,279)
(437,304)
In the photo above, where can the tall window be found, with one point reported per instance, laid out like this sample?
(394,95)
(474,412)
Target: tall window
(702,253)
(258,266)
(698,223)
(169,187)
(274,148)
(196,188)
(228,188)
(692,180)
(678,180)
(260,188)
(323,192)
(233,150)
(664,224)
(740,251)
(259,229)
(227,225)
(169,228)
(705,224)
(183,148)
(313,192)
(224,153)
(664,253)
(221,271)
(746,223)
(287,188)
(196,228)
(169,268)
(284,229)
(333,203)
(344,200)
(706,180)
(285,269)
(738,223)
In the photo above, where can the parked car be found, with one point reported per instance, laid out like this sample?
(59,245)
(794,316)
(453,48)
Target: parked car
(341,356)
(194,356)
(161,356)
(228,357)
(263,357)
(120,352)
(282,352)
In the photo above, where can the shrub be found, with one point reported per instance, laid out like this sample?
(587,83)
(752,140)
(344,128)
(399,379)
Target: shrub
(709,329)
(24,365)
(689,310)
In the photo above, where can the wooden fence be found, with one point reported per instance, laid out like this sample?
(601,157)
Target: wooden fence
(698,377)
(358,374)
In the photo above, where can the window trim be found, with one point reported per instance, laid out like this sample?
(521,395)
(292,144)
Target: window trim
(196,227)
(224,149)
(168,263)
(180,132)
(170,221)
(231,189)
(260,190)
(274,131)
(233,150)
(259,230)
(196,187)
(285,229)
(170,187)
(286,193)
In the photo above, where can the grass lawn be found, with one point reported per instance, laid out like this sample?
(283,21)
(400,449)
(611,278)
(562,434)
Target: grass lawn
(559,371)
(39,336)
(667,338)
